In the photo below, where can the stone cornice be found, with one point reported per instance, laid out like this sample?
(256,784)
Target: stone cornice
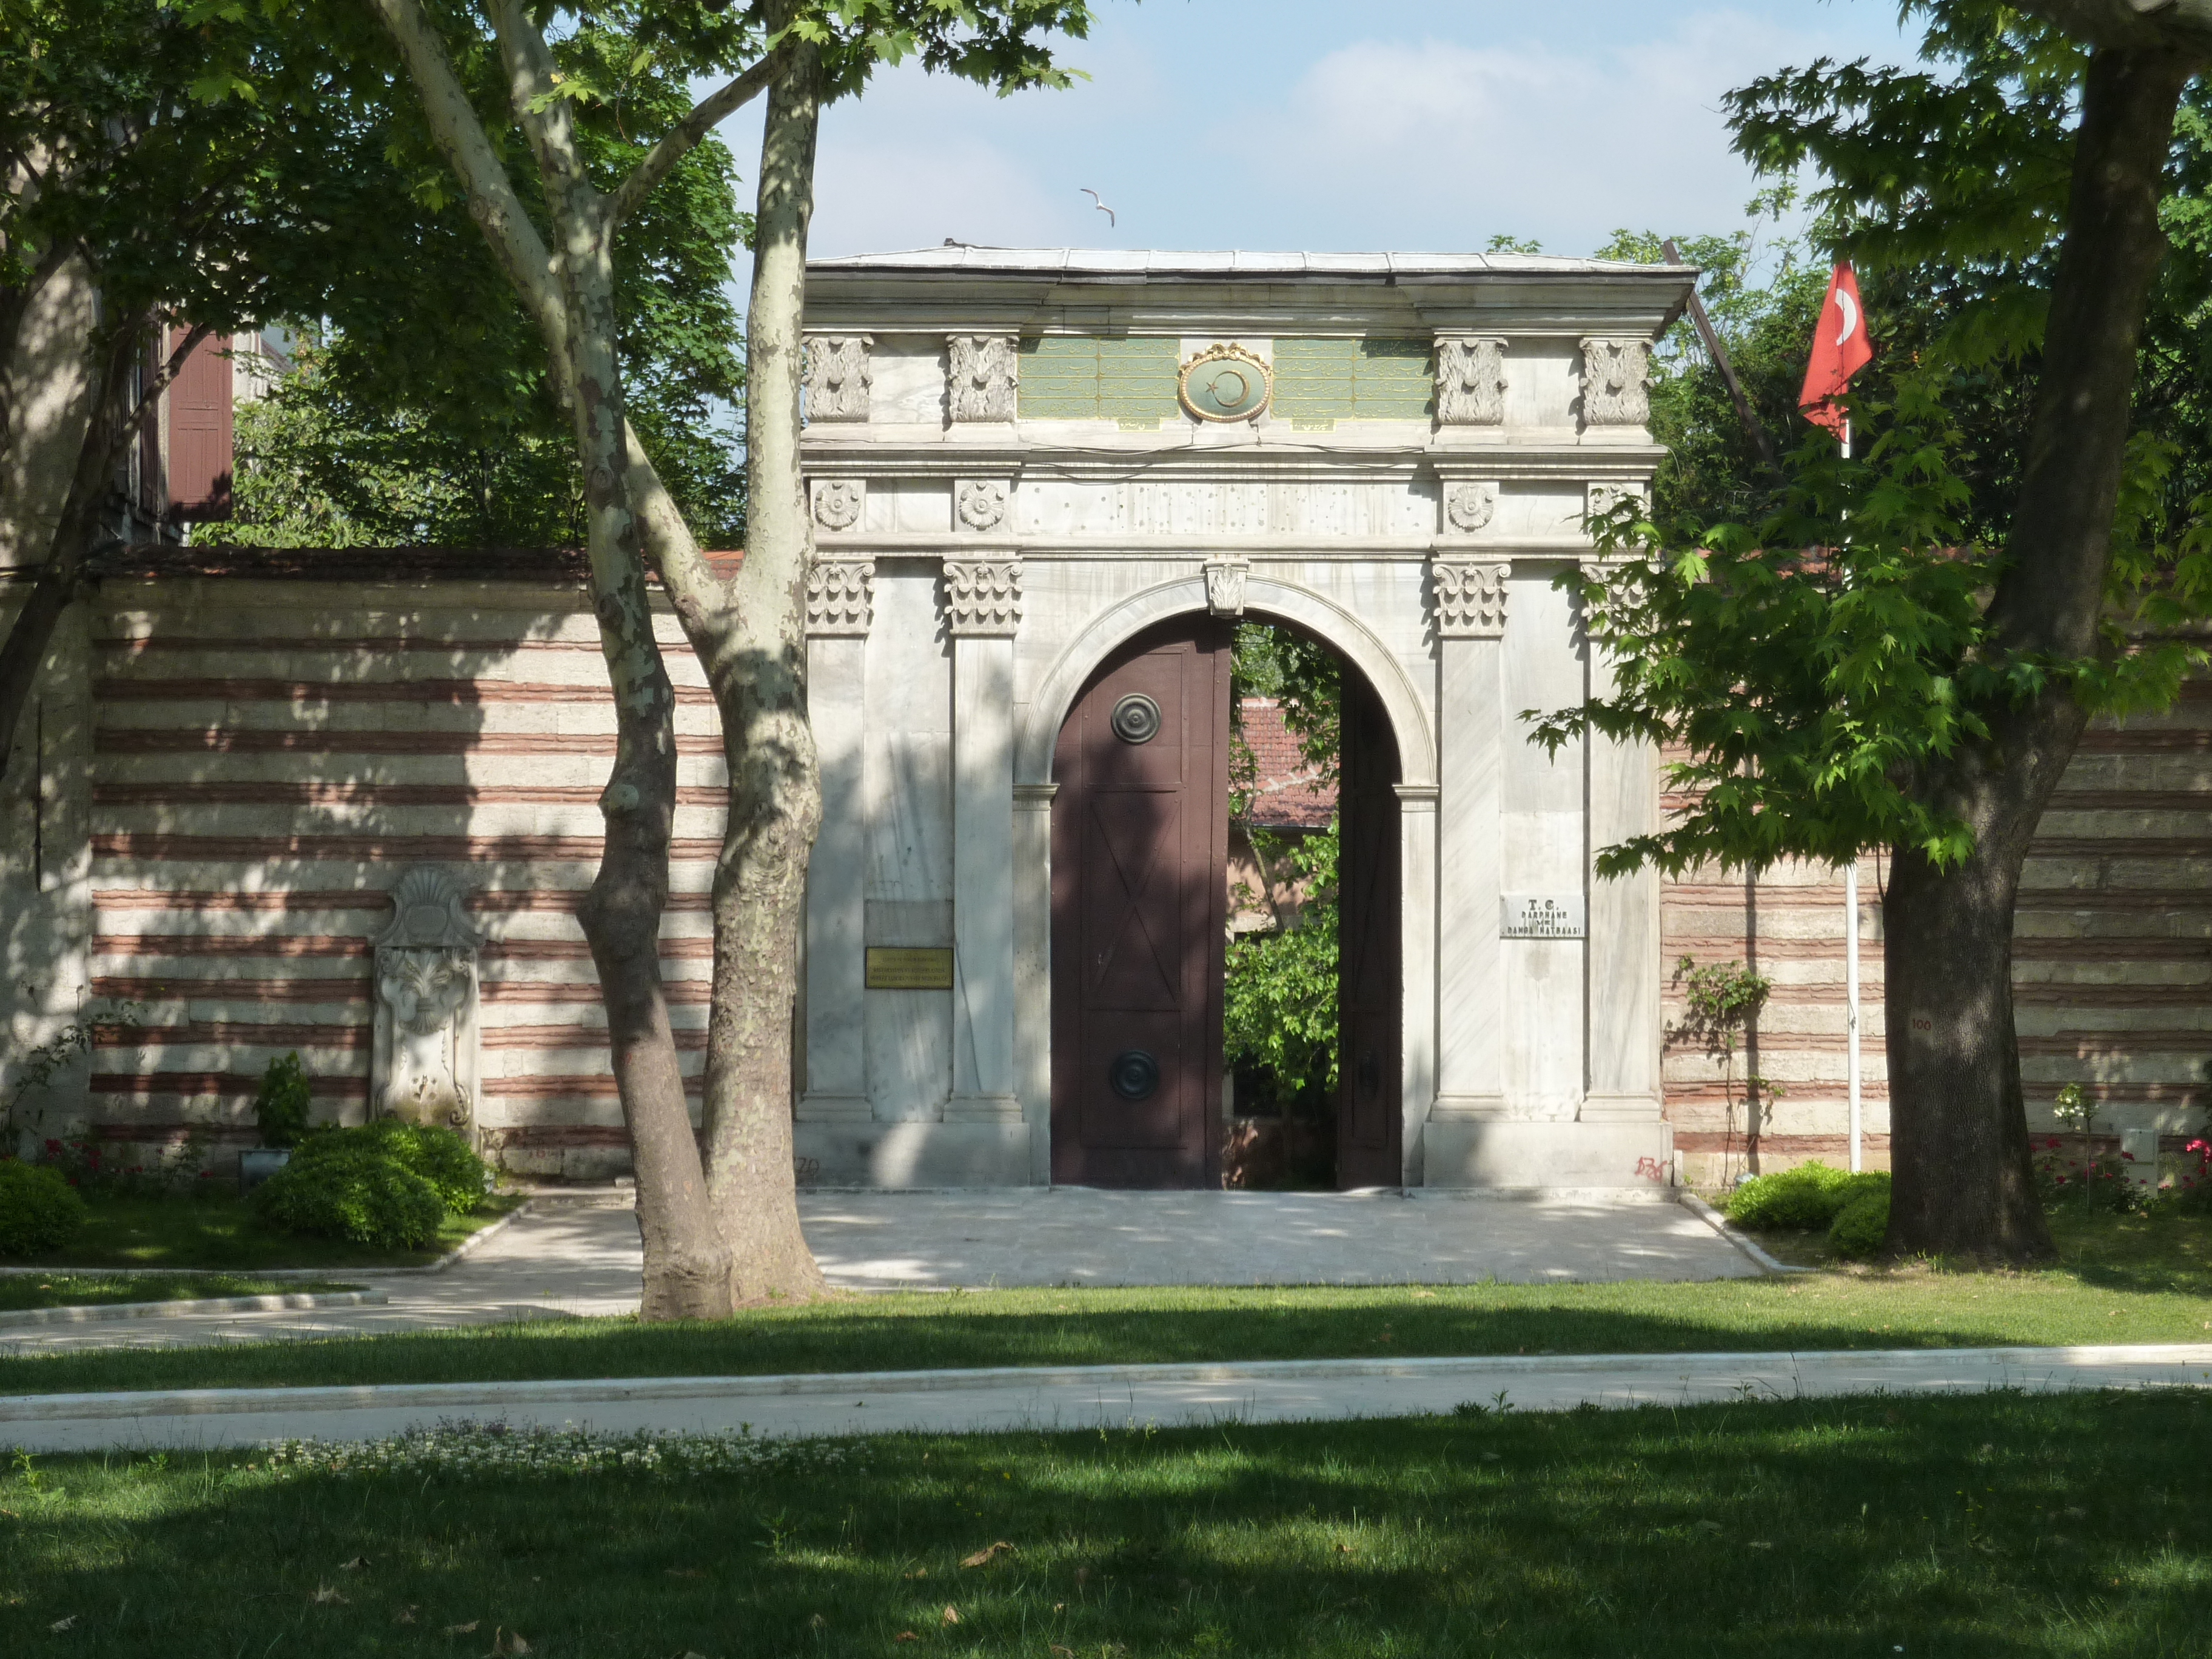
(1622,300)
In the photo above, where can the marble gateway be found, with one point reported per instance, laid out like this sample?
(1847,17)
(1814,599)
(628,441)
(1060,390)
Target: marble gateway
(343,801)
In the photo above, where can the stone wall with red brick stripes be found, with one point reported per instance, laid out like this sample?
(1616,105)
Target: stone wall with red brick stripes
(267,756)
(2112,964)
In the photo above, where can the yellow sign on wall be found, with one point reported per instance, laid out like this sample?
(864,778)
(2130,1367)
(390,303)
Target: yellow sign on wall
(904,968)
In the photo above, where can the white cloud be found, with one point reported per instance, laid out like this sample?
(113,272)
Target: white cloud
(1436,144)
(1437,125)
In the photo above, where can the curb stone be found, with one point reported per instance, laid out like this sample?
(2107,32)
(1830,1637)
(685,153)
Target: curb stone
(1083,1398)
(1720,1224)
(93,1313)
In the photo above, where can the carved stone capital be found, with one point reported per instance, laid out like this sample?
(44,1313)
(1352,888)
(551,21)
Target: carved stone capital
(1224,586)
(839,595)
(1614,374)
(1470,379)
(981,503)
(1469,505)
(838,501)
(1469,595)
(983,597)
(982,376)
(838,376)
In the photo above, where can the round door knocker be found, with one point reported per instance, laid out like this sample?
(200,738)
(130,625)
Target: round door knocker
(1134,1074)
(1135,719)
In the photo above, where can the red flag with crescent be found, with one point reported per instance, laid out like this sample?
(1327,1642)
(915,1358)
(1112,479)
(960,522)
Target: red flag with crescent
(1839,351)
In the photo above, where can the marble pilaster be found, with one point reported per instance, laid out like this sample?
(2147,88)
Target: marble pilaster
(1470,621)
(1624,966)
(839,604)
(983,609)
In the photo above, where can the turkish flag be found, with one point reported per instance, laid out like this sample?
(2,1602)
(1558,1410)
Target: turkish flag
(1839,351)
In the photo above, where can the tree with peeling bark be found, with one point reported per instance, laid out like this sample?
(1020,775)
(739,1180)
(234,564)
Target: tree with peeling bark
(722,1222)
(1918,680)
(145,193)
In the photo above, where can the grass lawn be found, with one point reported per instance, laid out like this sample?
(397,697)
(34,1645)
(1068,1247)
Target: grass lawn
(71,1290)
(1996,1526)
(2168,1250)
(2128,1280)
(219,1230)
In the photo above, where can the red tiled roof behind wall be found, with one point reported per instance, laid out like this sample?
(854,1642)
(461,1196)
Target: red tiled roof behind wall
(1289,793)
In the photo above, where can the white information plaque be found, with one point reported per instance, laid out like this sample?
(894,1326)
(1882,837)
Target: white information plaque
(1522,915)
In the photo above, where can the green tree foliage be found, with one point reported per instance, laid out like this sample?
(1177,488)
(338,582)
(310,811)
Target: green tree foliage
(1763,292)
(1279,1010)
(1816,643)
(428,416)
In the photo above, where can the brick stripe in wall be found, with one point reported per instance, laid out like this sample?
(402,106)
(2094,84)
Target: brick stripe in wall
(377,900)
(229,740)
(186,792)
(2111,952)
(376,848)
(456,693)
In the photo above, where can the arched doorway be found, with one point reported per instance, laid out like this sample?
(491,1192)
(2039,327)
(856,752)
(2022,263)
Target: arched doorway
(1139,856)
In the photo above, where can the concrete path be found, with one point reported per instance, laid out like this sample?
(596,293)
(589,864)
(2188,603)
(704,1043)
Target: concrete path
(577,1258)
(1077,1397)
(1080,1235)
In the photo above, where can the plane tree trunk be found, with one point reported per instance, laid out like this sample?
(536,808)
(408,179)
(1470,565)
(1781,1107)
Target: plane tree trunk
(759,677)
(1963,1186)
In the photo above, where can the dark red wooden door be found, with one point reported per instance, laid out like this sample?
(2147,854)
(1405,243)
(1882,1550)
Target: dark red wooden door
(1140,846)
(1369,1150)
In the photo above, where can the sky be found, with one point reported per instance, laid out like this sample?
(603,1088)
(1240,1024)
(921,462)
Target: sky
(1410,125)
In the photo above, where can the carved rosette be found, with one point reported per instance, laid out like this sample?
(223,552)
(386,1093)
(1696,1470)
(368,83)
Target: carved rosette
(982,376)
(425,1049)
(838,377)
(1470,598)
(1224,586)
(1470,379)
(840,593)
(983,597)
(1469,504)
(838,501)
(1614,372)
(981,503)
(1601,497)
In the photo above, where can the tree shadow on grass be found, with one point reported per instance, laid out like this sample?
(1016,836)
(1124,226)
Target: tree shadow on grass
(1967,1526)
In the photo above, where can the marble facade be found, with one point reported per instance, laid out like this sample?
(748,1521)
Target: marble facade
(1004,491)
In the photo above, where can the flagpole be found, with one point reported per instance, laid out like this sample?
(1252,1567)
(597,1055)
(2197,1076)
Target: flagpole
(1851,966)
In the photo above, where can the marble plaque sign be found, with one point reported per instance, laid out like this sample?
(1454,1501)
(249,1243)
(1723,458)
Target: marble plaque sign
(1523,915)
(905,968)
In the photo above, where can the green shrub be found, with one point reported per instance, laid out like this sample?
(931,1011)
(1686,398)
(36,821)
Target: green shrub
(1803,1199)
(39,1209)
(352,1192)
(441,1156)
(281,1108)
(1861,1225)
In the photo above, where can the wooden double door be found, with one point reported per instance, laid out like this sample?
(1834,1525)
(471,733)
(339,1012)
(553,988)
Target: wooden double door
(1139,877)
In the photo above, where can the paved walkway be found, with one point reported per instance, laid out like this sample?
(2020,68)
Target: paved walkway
(564,1257)
(1077,1397)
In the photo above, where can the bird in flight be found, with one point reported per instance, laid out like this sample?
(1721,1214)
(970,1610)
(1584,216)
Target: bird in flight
(1112,222)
